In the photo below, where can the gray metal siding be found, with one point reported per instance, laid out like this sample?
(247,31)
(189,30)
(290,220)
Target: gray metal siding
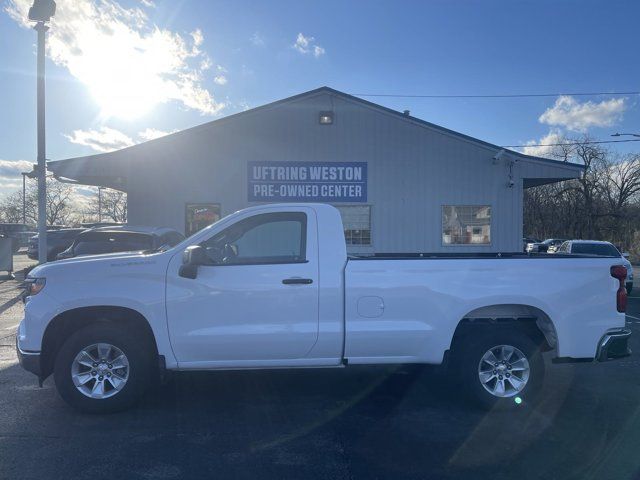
(412,171)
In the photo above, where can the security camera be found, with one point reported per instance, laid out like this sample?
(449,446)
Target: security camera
(498,156)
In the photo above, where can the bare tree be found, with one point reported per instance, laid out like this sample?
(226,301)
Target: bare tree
(11,208)
(110,204)
(603,203)
(621,184)
(59,203)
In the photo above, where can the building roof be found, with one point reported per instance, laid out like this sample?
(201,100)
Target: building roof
(99,169)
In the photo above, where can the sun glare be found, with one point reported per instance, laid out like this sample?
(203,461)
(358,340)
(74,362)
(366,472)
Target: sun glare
(124,74)
(129,71)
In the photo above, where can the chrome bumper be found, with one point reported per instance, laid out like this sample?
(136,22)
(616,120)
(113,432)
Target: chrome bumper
(614,344)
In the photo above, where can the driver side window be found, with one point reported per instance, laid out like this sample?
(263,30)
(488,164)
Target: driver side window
(261,239)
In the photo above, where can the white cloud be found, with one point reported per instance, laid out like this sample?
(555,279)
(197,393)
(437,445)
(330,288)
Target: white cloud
(579,117)
(532,148)
(13,168)
(127,62)
(106,139)
(257,40)
(197,36)
(10,178)
(103,140)
(307,45)
(221,77)
(148,3)
(206,64)
(152,133)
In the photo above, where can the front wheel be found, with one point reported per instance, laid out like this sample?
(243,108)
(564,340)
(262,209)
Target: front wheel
(100,369)
(501,367)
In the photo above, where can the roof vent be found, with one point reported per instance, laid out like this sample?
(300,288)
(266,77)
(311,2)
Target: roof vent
(406,113)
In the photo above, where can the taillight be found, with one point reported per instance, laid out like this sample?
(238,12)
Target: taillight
(620,272)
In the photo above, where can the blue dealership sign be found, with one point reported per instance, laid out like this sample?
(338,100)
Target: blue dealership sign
(333,182)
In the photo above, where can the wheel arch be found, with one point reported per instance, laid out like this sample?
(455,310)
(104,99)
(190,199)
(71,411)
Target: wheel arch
(533,320)
(69,321)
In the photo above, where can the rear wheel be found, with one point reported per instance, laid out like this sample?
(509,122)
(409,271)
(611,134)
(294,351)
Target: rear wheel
(501,367)
(100,369)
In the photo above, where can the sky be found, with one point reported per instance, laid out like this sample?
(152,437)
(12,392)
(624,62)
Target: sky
(122,72)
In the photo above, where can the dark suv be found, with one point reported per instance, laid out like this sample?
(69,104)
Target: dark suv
(57,241)
(121,239)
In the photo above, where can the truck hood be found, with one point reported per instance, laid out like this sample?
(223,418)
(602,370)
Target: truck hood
(95,261)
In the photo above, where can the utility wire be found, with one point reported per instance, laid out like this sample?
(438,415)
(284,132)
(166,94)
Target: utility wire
(512,95)
(569,144)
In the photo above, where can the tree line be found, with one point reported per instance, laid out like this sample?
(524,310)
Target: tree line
(602,204)
(65,205)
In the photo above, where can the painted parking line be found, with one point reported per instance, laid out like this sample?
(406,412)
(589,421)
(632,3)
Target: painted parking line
(631,316)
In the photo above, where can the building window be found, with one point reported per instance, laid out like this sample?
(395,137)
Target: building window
(466,225)
(356,221)
(200,215)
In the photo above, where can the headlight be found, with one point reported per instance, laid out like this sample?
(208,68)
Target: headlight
(34,286)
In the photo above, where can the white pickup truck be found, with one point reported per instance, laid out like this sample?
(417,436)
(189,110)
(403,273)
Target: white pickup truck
(272,287)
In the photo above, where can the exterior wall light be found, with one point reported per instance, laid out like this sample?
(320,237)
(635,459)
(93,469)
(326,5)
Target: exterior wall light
(326,118)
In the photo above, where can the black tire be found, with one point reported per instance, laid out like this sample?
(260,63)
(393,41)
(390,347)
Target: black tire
(140,369)
(474,347)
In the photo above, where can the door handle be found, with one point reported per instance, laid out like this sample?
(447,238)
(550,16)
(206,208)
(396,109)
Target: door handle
(297,281)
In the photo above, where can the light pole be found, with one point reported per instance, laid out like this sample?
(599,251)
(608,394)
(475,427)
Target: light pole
(621,134)
(41,12)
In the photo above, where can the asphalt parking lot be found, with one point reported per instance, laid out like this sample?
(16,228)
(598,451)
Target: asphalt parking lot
(392,422)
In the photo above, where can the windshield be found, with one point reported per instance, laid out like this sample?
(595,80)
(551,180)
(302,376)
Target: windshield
(111,242)
(604,249)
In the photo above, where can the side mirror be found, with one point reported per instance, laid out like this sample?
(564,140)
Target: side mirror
(625,254)
(192,258)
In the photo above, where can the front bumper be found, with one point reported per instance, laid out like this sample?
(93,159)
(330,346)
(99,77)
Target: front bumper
(30,361)
(614,344)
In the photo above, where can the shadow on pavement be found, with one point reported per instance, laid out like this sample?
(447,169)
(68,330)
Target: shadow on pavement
(358,422)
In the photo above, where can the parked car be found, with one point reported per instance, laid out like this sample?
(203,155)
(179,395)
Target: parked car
(57,241)
(547,246)
(115,239)
(595,247)
(526,241)
(272,286)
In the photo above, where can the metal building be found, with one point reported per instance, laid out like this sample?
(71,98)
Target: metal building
(401,184)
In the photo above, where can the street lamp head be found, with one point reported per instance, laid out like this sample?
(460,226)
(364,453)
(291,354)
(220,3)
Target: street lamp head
(42,10)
